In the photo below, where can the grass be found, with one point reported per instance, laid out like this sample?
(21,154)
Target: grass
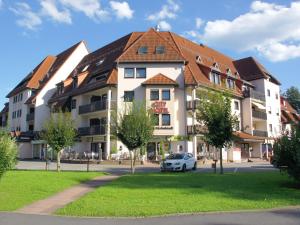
(20,188)
(161,194)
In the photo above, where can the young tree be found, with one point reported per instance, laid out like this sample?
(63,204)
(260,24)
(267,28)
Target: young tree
(134,127)
(287,153)
(59,133)
(214,112)
(292,94)
(8,152)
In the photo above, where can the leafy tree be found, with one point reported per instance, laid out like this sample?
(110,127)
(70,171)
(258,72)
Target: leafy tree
(134,127)
(214,112)
(59,133)
(8,152)
(287,153)
(292,94)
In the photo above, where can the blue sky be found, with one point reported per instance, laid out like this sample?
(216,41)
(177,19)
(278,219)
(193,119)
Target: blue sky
(267,30)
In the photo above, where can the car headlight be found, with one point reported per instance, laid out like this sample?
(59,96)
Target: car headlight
(177,164)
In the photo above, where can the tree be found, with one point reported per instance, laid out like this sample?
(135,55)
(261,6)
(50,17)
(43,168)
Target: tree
(134,127)
(287,153)
(8,152)
(214,112)
(59,133)
(292,94)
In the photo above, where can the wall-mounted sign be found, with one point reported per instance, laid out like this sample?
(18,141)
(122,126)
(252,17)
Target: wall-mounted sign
(159,107)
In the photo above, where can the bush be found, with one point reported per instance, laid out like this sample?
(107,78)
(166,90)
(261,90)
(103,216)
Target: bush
(8,152)
(287,153)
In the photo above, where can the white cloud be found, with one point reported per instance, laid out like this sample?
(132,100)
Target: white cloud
(164,25)
(168,11)
(29,19)
(91,8)
(270,29)
(199,22)
(49,8)
(1,4)
(121,9)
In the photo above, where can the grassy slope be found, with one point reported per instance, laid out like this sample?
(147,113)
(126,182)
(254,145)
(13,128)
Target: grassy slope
(158,194)
(19,188)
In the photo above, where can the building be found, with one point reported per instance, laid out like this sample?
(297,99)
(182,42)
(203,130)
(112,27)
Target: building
(167,71)
(28,101)
(289,116)
(4,116)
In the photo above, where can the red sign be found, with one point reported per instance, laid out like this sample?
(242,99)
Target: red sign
(159,107)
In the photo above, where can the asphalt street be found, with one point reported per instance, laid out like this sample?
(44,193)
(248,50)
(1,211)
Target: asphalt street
(274,217)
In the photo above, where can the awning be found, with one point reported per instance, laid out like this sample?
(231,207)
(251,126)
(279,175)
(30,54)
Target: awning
(258,105)
(242,136)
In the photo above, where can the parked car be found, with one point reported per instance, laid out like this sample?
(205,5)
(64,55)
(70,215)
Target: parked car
(179,162)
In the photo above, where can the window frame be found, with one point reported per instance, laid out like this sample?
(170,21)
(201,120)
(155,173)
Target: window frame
(140,68)
(129,68)
(73,104)
(154,90)
(142,50)
(160,49)
(156,119)
(236,103)
(162,94)
(162,120)
(126,99)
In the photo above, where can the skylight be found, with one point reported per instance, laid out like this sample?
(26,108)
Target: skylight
(160,49)
(143,50)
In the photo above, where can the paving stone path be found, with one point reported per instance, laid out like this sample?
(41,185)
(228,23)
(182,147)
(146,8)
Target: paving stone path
(50,205)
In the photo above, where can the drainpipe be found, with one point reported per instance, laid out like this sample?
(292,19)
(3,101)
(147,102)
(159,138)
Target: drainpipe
(108,123)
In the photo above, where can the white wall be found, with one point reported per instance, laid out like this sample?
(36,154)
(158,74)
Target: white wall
(42,111)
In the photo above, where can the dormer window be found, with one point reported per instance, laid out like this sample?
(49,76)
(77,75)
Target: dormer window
(60,88)
(230,83)
(160,49)
(198,59)
(99,62)
(216,66)
(143,50)
(215,78)
(228,71)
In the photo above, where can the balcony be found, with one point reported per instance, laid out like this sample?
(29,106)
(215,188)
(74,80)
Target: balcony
(255,95)
(30,117)
(192,105)
(196,129)
(93,130)
(260,133)
(93,107)
(259,115)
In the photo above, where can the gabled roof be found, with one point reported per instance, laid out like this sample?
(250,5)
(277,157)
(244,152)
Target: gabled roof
(250,69)
(5,109)
(160,79)
(151,39)
(288,113)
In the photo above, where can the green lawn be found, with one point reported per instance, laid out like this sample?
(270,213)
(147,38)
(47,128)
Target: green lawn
(20,188)
(165,193)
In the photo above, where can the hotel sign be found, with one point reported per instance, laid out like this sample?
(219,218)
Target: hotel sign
(159,107)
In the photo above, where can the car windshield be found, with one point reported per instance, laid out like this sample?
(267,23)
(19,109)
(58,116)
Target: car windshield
(175,156)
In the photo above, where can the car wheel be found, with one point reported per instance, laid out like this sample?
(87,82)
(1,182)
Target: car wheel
(183,168)
(195,166)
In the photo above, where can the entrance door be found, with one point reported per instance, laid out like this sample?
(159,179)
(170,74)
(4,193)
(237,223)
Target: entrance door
(245,151)
(151,151)
(36,151)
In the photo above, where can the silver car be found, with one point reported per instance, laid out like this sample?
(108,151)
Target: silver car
(179,162)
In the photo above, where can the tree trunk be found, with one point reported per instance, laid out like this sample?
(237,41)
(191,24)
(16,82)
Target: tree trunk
(221,161)
(131,161)
(58,161)
(88,165)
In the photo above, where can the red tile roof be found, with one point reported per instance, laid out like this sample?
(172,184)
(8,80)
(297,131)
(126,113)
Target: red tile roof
(160,79)
(243,135)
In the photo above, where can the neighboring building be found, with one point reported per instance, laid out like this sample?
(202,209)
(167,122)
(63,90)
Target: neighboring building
(28,101)
(167,71)
(4,115)
(289,116)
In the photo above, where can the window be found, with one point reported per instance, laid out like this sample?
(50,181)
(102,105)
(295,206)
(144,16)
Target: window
(73,104)
(128,96)
(21,96)
(156,119)
(75,82)
(160,49)
(143,50)
(140,72)
(269,109)
(269,92)
(215,78)
(166,120)
(60,88)
(236,105)
(230,84)
(129,72)
(166,95)
(270,128)
(99,62)
(276,96)
(154,95)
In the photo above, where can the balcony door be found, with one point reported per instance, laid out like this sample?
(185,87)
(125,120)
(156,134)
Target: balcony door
(95,98)
(94,122)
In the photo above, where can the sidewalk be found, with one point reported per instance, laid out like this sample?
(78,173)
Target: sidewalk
(51,204)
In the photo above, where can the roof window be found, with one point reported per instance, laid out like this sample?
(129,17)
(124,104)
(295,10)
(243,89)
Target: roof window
(143,50)
(160,49)
(85,68)
(99,62)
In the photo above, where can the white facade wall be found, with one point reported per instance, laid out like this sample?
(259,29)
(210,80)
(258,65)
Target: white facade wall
(42,111)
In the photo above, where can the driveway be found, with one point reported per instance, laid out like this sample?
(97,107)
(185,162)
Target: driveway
(274,217)
(122,169)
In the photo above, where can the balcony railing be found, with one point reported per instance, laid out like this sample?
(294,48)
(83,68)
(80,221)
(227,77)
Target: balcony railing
(259,115)
(93,130)
(93,107)
(260,133)
(254,94)
(30,117)
(196,129)
(192,105)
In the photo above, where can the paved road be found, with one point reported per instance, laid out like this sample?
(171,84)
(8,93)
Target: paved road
(276,217)
(121,169)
